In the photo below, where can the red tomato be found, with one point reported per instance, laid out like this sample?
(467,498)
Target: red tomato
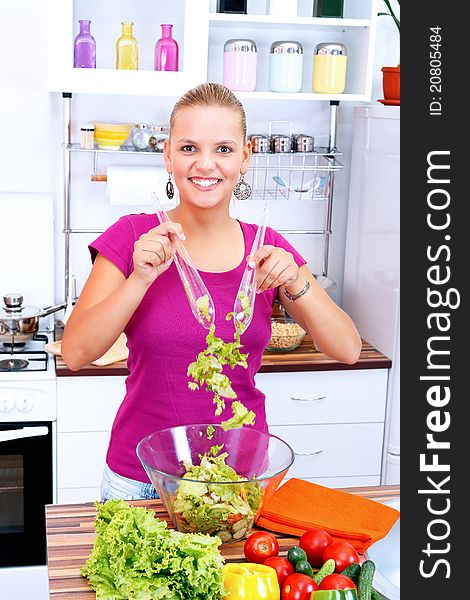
(259,546)
(343,553)
(282,567)
(313,542)
(336,582)
(298,587)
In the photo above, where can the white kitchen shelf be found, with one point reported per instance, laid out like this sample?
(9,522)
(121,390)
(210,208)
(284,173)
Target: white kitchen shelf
(113,81)
(201,59)
(63,77)
(301,96)
(201,48)
(126,149)
(121,150)
(267,21)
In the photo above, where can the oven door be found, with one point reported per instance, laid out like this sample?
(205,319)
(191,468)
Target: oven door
(25,489)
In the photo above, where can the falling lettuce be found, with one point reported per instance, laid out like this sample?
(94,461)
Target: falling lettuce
(206,370)
(241,416)
(136,557)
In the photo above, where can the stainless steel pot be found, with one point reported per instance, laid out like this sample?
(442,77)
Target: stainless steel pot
(259,143)
(19,323)
(303,143)
(281,143)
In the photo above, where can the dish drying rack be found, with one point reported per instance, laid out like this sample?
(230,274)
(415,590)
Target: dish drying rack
(287,176)
(293,176)
(297,172)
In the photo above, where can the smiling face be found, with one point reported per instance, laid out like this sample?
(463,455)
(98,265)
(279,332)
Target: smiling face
(206,154)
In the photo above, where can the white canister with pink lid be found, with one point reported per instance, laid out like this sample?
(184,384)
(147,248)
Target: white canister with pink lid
(240,63)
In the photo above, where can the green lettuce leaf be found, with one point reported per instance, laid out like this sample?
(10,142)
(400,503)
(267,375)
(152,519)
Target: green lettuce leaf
(241,416)
(136,557)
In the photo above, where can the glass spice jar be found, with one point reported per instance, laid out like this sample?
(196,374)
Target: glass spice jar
(140,136)
(87,139)
(158,135)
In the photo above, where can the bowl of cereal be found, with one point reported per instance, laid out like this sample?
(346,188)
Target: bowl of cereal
(285,335)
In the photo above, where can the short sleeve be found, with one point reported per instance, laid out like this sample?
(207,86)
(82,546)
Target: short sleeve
(274,238)
(117,245)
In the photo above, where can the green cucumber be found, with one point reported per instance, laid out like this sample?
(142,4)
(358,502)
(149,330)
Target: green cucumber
(303,566)
(375,595)
(327,568)
(366,577)
(295,554)
(352,571)
(334,594)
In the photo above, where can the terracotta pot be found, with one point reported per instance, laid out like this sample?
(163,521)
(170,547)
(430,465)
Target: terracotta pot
(391,83)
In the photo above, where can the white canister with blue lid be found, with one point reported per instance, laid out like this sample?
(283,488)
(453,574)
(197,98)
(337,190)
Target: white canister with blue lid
(285,66)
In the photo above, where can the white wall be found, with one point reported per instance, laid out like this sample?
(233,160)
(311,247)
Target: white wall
(32,131)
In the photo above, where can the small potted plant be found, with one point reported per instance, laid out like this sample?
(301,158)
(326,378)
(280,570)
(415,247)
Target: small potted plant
(391,75)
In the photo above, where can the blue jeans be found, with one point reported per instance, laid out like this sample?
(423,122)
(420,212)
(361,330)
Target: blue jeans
(118,487)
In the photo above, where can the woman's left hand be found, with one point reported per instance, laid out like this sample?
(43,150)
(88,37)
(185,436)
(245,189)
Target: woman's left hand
(275,267)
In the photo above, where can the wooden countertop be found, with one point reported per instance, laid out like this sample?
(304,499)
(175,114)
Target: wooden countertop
(70,535)
(303,358)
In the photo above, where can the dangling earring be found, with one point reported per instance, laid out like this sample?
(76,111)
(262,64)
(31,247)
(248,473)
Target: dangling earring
(242,191)
(170,188)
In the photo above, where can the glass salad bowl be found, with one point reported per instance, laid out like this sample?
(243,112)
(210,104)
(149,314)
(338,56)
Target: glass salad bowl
(214,481)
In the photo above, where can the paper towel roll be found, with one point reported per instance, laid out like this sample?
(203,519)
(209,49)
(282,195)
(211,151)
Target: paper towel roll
(132,186)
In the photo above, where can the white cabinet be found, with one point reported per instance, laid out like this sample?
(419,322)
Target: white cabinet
(86,407)
(201,32)
(333,420)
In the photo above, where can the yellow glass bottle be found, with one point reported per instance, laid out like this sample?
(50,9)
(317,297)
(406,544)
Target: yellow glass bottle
(127,54)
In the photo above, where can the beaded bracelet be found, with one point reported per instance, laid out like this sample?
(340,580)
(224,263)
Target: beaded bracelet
(303,291)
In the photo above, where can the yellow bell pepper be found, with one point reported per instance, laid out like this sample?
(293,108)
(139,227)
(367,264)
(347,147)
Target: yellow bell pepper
(250,581)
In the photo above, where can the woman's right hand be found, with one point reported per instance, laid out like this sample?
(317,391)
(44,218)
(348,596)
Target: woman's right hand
(154,250)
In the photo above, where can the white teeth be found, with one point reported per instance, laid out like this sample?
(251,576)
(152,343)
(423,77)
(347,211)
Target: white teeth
(204,182)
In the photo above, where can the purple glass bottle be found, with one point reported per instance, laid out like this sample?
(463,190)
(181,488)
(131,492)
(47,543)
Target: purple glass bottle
(84,48)
(166,51)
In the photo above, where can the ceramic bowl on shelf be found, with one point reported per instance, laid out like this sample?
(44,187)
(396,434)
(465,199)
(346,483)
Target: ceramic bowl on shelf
(111,136)
(201,503)
(285,335)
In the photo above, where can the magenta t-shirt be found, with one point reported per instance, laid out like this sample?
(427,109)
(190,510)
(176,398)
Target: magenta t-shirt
(163,338)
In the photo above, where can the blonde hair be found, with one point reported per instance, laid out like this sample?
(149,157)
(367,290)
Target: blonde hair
(210,94)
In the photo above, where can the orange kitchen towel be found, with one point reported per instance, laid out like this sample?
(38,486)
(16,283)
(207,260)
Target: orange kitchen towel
(300,505)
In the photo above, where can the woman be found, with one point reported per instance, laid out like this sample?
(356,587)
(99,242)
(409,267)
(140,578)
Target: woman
(134,287)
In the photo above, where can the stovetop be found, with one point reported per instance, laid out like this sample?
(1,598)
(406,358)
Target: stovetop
(29,356)
(27,360)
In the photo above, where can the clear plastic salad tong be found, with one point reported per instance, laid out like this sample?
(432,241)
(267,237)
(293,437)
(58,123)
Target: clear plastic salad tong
(200,300)
(244,305)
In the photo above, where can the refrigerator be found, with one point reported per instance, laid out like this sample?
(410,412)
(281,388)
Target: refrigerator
(371,288)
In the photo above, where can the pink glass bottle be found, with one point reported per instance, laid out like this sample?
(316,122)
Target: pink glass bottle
(166,51)
(84,48)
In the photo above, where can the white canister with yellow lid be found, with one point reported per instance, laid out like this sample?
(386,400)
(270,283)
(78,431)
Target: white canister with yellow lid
(329,68)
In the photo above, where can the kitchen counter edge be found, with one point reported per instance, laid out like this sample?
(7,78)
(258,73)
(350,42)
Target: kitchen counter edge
(303,358)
